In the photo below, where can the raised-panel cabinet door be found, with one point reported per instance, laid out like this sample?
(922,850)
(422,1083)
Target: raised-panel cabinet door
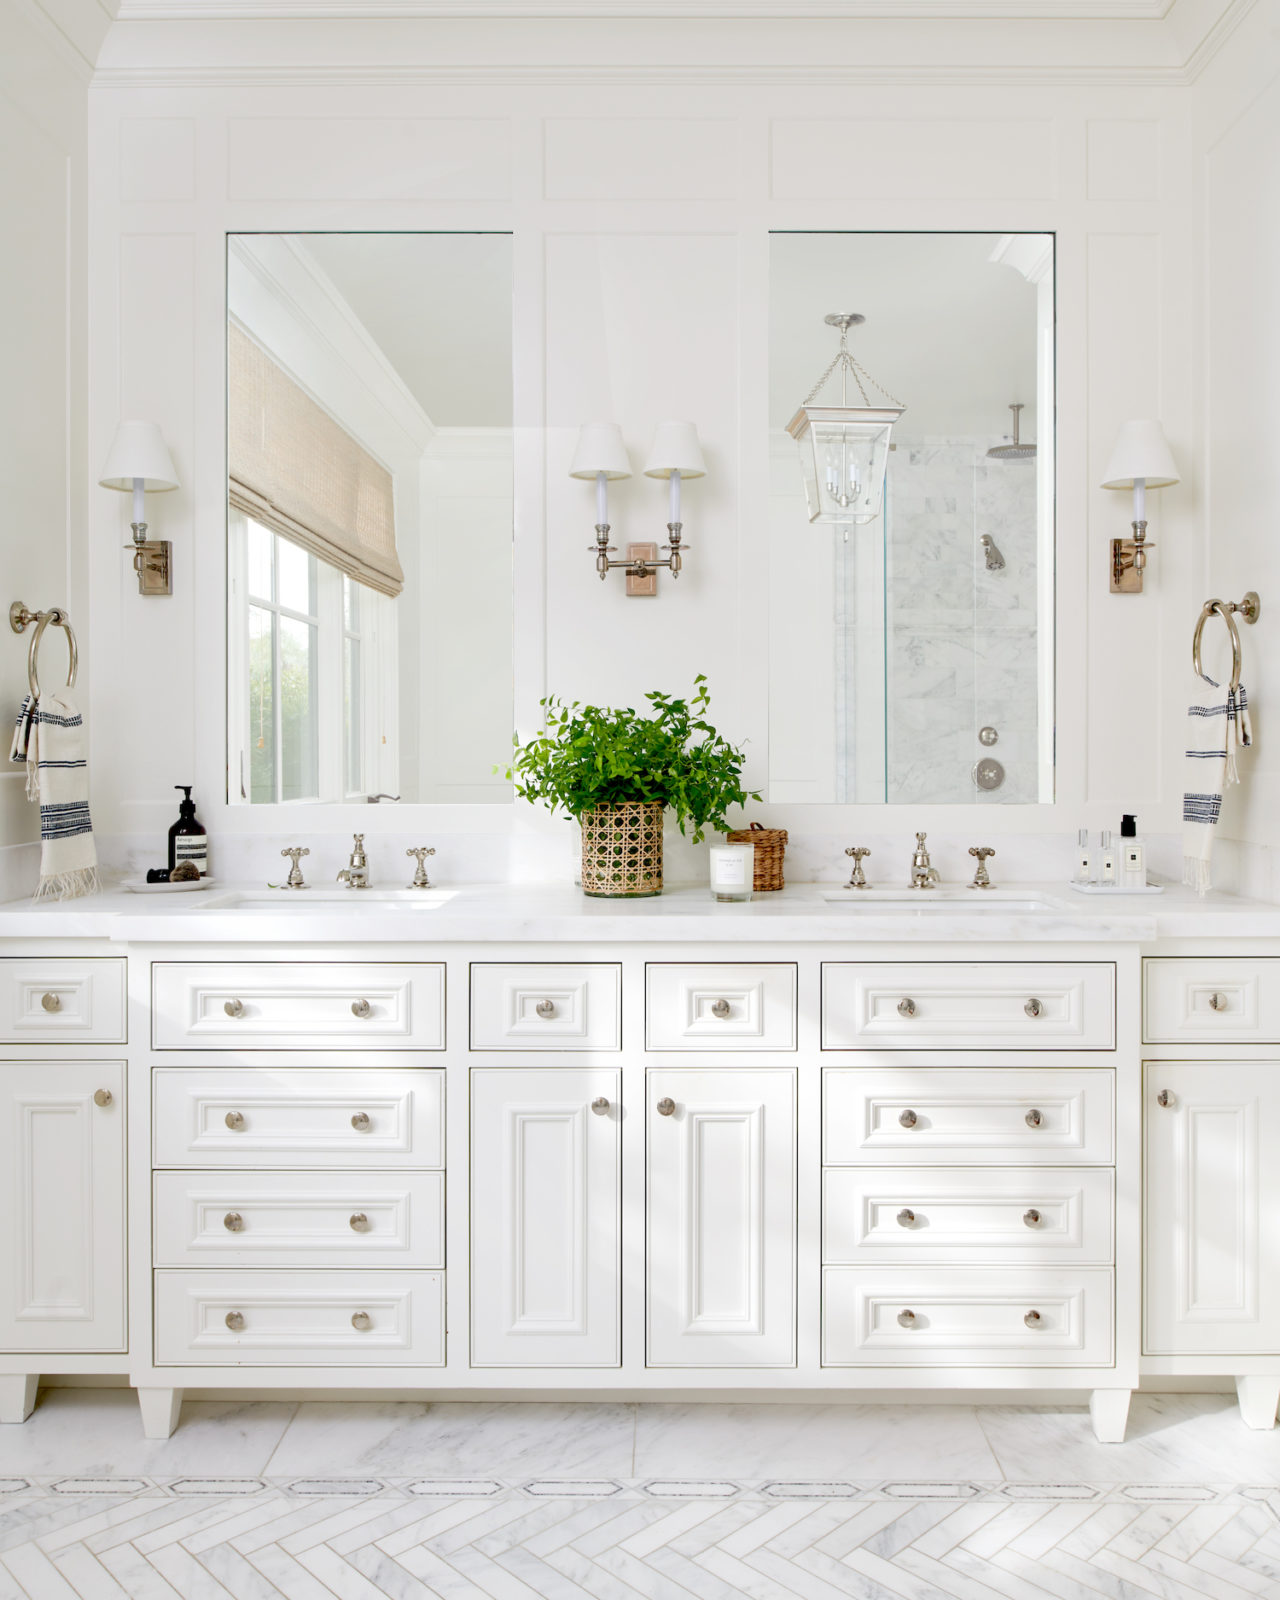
(545,1216)
(1213,1194)
(62,1138)
(721,1245)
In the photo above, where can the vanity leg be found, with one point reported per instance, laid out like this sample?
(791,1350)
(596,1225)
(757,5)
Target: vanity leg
(160,1408)
(18,1395)
(1109,1412)
(1259,1397)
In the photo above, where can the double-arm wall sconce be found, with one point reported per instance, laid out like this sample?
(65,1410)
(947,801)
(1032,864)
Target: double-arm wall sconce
(139,461)
(1140,461)
(675,455)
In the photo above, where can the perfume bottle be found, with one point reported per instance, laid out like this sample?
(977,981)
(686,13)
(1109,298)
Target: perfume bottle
(1084,858)
(188,840)
(1133,855)
(1107,861)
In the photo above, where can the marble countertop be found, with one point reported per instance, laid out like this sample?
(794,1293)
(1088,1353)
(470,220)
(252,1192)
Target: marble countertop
(559,912)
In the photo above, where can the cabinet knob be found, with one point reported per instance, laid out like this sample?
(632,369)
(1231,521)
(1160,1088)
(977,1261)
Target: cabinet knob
(235,1321)
(359,1222)
(906,1319)
(1033,1119)
(546,1009)
(233,1222)
(666,1106)
(1166,1098)
(361,1122)
(233,1008)
(1033,1008)
(1217,1002)
(1032,1319)
(102,1097)
(600,1105)
(906,1008)
(906,1217)
(235,1121)
(51,1002)
(1031,1218)
(361,1008)
(361,1321)
(908,1119)
(721,1009)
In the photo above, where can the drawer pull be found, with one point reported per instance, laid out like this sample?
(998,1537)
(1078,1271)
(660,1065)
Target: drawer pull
(1217,1002)
(235,1121)
(361,1321)
(361,1008)
(1033,1008)
(361,1122)
(359,1222)
(233,1008)
(906,1218)
(1033,1119)
(666,1106)
(102,1097)
(235,1321)
(233,1222)
(906,1008)
(721,1009)
(906,1319)
(908,1119)
(546,1009)
(1166,1098)
(1031,1218)
(600,1105)
(1032,1319)
(51,1002)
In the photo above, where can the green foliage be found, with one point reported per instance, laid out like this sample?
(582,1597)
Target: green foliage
(592,756)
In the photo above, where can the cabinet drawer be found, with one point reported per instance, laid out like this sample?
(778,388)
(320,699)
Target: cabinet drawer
(905,1214)
(298,1117)
(955,1116)
(741,1006)
(990,1005)
(308,1005)
(299,1219)
(62,1000)
(955,1317)
(285,1319)
(1230,1000)
(540,1006)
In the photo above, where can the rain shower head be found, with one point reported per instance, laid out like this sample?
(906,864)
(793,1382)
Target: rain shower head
(1017,451)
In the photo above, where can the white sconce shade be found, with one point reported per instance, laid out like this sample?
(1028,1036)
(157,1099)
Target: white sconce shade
(138,451)
(1141,451)
(600,450)
(675,449)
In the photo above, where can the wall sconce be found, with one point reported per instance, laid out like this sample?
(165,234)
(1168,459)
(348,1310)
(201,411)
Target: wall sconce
(675,455)
(139,460)
(1140,461)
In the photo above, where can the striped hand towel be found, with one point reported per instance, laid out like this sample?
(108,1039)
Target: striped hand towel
(1219,728)
(49,739)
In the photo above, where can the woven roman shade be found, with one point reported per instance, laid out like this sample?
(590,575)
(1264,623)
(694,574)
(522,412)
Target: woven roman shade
(297,471)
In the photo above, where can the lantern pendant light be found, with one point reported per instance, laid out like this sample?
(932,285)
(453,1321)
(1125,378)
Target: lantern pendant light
(844,449)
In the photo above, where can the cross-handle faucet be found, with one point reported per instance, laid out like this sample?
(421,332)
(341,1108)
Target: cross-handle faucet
(420,879)
(356,872)
(981,879)
(294,852)
(923,875)
(857,878)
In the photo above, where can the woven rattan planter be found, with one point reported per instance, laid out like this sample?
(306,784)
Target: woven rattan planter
(771,848)
(622,850)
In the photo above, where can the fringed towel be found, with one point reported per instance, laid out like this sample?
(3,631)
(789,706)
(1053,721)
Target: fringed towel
(1219,728)
(49,739)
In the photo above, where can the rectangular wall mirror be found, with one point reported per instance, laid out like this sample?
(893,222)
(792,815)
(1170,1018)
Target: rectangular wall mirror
(369,610)
(911,595)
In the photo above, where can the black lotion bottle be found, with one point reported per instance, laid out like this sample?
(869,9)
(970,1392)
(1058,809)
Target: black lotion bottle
(188,840)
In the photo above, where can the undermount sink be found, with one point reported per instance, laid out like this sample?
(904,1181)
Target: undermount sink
(953,902)
(310,901)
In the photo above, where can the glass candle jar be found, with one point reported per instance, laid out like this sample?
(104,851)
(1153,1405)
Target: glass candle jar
(732,869)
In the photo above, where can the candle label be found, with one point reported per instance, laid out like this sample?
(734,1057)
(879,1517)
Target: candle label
(728,871)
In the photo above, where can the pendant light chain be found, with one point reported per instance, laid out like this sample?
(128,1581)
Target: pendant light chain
(847,361)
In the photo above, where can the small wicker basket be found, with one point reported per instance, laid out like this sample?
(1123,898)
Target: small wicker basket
(622,850)
(771,847)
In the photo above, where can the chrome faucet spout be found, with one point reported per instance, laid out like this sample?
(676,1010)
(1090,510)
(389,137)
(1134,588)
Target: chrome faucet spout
(356,872)
(923,874)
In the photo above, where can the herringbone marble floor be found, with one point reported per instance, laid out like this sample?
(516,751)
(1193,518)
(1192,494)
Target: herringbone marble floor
(627,1504)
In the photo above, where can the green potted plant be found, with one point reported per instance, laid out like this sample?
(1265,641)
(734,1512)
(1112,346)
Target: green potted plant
(617,770)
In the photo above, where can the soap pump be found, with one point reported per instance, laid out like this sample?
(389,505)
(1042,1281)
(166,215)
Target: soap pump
(188,840)
(1133,855)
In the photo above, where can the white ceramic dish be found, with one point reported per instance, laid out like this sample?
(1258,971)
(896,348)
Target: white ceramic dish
(141,886)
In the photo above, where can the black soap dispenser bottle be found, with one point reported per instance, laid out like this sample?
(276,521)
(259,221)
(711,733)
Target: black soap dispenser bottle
(188,840)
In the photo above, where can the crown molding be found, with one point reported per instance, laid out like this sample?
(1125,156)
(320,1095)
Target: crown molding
(646,10)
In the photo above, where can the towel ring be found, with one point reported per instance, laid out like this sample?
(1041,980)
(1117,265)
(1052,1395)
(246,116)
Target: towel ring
(20,619)
(1249,608)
